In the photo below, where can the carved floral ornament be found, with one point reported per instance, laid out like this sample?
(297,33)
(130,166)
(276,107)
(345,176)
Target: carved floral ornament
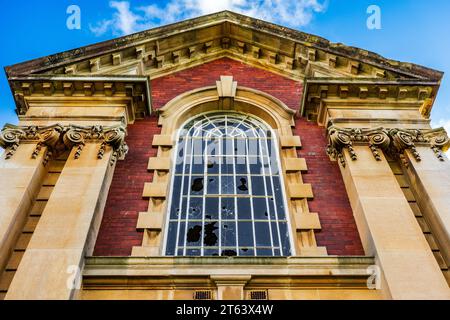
(392,141)
(58,138)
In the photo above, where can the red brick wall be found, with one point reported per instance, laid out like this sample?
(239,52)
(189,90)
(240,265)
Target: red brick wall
(118,230)
(166,88)
(339,233)
(117,234)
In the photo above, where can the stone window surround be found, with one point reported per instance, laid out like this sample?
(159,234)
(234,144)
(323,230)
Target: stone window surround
(227,95)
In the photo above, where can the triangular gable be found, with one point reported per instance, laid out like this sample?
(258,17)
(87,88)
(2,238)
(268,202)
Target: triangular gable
(170,48)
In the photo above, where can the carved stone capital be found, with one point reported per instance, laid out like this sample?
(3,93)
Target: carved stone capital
(11,136)
(10,139)
(392,141)
(340,138)
(58,138)
(77,136)
(405,139)
(439,141)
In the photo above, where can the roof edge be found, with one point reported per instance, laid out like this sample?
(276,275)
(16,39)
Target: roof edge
(318,42)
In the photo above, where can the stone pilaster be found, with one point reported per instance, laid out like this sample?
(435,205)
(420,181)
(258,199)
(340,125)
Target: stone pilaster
(21,172)
(384,218)
(430,179)
(55,255)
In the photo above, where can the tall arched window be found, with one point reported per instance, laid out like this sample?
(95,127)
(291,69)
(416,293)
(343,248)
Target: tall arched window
(227,195)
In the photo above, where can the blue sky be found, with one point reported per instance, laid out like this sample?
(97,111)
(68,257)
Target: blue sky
(412,30)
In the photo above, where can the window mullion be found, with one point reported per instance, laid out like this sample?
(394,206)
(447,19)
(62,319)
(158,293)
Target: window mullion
(261,155)
(275,198)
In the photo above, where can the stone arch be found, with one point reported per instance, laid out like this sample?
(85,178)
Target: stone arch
(228,96)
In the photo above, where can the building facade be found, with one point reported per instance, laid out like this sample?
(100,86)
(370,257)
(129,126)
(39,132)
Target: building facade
(223,157)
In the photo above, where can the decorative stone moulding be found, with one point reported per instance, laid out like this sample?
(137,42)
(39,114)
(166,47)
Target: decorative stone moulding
(227,96)
(51,92)
(392,141)
(58,138)
(323,96)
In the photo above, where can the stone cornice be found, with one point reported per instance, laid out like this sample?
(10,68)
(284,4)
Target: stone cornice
(392,141)
(372,93)
(61,90)
(227,22)
(58,138)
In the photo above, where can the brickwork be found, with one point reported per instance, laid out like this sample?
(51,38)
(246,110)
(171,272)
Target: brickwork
(339,233)
(118,230)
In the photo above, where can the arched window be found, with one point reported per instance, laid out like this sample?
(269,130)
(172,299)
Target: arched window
(227,196)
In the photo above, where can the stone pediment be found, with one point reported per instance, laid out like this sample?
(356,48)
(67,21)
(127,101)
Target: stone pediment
(166,49)
(101,69)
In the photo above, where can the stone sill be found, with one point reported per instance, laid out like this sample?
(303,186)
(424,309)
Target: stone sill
(331,271)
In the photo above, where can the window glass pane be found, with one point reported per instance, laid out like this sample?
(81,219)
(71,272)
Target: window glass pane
(241,165)
(264,252)
(181,234)
(213,147)
(194,234)
(242,185)
(260,209)
(285,245)
(172,238)
(227,184)
(240,147)
(211,208)
(229,234)
(211,236)
(229,252)
(227,165)
(255,165)
(197,185)
(212,165)
(227,147)
(198,146)
(258,186)
(183,208)
(246,252)
(195,208)
(193,252)
(228,212)
(211,252)
(245,234)
(213,184)
(244,209)
(253,147)
(262,233)
(198,165)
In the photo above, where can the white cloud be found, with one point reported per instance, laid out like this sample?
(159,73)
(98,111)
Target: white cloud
(126,20)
